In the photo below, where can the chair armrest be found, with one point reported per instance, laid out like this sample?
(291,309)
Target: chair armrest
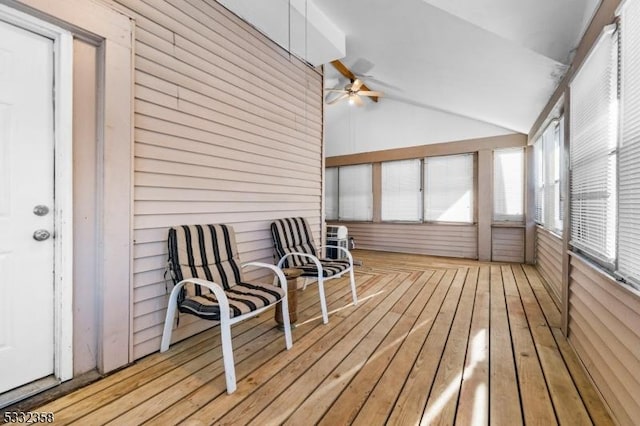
(339,248)
(309,256)
(217,290)
(275,269)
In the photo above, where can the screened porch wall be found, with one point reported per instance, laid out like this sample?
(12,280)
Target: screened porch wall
(228,129)
(479,239)
(549,260)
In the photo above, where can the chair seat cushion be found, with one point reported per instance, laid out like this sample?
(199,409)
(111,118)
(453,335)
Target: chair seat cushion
(330,267)
(243,298)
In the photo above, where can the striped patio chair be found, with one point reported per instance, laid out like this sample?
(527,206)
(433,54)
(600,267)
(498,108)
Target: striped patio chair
(295,248)
(209,283)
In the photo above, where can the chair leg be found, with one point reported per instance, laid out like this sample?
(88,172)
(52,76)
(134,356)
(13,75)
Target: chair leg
(353,287)
(286,322)
(323,301)
(227,355)
(168,321)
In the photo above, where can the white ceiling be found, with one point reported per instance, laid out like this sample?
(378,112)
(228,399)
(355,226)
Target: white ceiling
(496,61)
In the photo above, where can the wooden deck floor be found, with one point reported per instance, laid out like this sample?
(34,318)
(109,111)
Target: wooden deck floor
(432,341)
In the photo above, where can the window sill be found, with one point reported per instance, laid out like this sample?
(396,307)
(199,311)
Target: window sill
(508,225)
(554,234)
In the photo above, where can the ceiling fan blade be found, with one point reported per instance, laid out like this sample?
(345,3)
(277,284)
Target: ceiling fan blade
(370,93)
(342,69)
(362,66)
(335,90)
(357,84)
(357,100)
(333,101)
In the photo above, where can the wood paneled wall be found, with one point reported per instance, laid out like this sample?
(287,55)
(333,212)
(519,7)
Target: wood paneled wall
(228,129)
(431,239)
(507,244)
(604,329)
(549,260)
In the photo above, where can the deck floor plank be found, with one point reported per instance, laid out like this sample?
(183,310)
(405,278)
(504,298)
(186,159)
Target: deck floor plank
(566,399)
(413,397)
(443,397)
(350,402)
(473,400)
(314,407)
(536,401)
(504,394)
(383,397)
(431,341)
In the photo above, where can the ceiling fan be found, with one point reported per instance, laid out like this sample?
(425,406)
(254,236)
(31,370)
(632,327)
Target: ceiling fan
(352,91)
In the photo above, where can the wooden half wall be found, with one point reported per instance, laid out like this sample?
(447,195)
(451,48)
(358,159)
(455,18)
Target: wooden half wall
(228,129)
(549,260)
(604,329)
(479,240)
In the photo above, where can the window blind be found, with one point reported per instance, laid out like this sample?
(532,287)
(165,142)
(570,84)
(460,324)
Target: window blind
(538,157)
(594,112)
(401,191)
(551,148)
(559,221)
(331,193)
(448,183)
(629,153)
(355,201)
(508,185)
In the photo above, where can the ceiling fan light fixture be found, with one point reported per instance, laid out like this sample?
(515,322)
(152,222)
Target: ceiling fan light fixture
(351,100)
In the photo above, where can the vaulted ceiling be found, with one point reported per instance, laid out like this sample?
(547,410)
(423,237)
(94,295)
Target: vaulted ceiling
(496,61)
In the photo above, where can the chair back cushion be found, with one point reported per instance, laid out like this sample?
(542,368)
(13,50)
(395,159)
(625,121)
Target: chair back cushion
(204,251)
(293,235)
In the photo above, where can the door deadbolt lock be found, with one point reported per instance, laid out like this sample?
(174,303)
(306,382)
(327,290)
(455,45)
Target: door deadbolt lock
(41,235)
(40,210)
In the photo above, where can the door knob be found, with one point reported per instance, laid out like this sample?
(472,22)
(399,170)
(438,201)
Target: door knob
(41,235)
(40,210)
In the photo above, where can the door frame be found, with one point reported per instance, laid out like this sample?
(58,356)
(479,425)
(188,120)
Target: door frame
(63,183)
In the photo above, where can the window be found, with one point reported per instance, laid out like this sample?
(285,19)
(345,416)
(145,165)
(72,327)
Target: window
(548,158)
(331,193)
(355,195)
(508,185)
(559,178)
(401,191)
(629,154)
(538,156)
(594,125)
(448,183)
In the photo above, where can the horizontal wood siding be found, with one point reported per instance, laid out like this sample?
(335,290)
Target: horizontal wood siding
(228,129)
(507,244)
(604,329)
(459,241)
(549,260)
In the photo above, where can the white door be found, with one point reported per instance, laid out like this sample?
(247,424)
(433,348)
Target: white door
(26,181)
